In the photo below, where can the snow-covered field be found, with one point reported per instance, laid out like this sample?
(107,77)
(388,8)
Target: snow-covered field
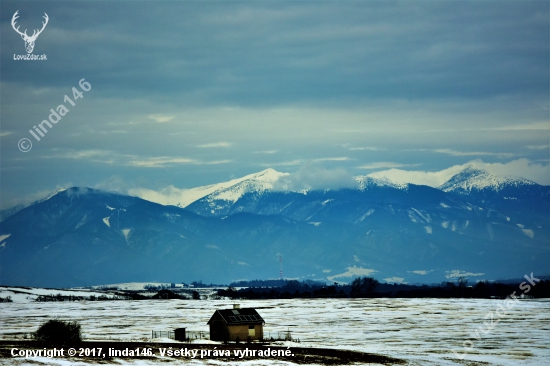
(421,331)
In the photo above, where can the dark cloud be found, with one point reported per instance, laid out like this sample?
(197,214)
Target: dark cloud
(299,79)
(268,53)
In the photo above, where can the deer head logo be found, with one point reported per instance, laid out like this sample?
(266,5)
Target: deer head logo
(29,41)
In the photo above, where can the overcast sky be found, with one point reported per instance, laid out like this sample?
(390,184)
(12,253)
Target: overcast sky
(188,93)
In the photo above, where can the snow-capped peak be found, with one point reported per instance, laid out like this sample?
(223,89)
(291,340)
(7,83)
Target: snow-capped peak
(229,190)
(477,179)
(58,190)
(236,188)
(263,181)
(364,182)
(268,175)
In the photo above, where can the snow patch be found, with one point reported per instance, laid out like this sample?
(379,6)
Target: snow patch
(445,224)
(394,279)
(106,221)
(2,237)
(29,294)
(368,213)
(424,216)
(420,272)
(444,205)
(528,232)
(428,229)
(126,232)
(458,273)
(353,271)
(81,222)
(314,223)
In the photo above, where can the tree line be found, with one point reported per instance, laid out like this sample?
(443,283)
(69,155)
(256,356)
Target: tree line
(368,287)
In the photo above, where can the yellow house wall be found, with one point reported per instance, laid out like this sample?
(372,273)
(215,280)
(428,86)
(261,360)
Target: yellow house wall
(241,331)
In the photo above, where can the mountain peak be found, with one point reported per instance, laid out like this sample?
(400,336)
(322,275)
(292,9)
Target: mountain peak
(268,175)
(470,170)
(364,182)
(478,179)
(234,189)
(54,193)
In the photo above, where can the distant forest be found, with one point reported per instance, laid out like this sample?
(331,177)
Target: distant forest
(368,287)
(365,287)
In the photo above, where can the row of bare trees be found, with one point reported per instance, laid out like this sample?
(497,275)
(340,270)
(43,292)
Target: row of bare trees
(363,286)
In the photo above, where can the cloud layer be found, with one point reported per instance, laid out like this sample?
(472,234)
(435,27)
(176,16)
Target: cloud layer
(187,93)
(314,176)
(537,172)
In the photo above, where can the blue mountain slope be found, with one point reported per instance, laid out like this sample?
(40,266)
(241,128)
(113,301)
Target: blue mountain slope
(415,233)
(508,194)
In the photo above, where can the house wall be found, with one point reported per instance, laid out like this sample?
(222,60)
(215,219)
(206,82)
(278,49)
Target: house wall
(243,332)
(218,330)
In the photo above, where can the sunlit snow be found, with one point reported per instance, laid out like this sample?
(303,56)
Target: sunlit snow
(420,331)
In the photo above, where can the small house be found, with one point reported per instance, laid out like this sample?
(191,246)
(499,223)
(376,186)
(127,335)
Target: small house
(236,324)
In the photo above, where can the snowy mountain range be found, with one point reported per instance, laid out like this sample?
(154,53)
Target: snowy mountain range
(230,190)
(472,179)
(241,195)
(476,224)
(469,181)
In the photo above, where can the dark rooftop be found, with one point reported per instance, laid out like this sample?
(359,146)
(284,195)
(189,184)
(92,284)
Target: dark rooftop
(239,316)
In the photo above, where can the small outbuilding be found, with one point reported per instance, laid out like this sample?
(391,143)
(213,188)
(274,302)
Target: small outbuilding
(236,324)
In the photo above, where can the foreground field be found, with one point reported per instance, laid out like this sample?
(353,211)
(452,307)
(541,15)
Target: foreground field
(419,331)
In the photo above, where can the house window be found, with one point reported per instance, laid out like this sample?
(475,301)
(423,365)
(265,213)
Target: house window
(251,331)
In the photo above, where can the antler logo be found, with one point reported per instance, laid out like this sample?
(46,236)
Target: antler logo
(29,41)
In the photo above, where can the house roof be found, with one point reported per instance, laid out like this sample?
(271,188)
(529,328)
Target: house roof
(238,316)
